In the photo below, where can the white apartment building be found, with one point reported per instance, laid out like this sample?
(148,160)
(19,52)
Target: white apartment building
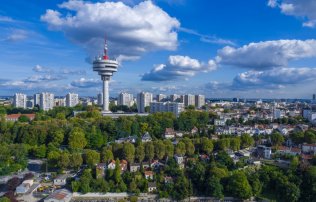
(59,102)
(19,100)
(72,99)
(125,99)
(189,100)
(199,101)
(46,101)
(160,97)
(175,107)
(143,100)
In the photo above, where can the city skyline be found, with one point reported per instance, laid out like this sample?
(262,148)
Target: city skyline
(249,49)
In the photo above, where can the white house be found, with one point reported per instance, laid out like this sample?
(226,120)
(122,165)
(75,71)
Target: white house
(60,180)
(309,148)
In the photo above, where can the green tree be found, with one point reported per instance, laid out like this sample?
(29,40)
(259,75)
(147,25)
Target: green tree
(214,187)
(169,148)
(106,155)
(160,149)
(75,160)
(64,160)
(207,145)
(180,148)
(149,151)
(140,152)
(129,152)
(246,140)
(77,140)
(238,186)
(92,157)
(189,146)
(277,139)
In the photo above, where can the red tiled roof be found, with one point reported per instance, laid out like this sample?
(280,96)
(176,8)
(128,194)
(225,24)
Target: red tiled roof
(16,116)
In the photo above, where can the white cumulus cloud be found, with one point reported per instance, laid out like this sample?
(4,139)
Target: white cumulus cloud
(178,67)
(299,8)
(267,54)
(130,30)
(273,78)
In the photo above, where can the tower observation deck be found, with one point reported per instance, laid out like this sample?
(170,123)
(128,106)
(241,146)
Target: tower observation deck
(105,68)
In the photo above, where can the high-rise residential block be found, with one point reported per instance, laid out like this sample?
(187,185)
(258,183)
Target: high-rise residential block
(175,107)
(143,100)
(160,97)
(46,101)
(125,99)
(19,100)
(72,99)
(189,100)
(199,101)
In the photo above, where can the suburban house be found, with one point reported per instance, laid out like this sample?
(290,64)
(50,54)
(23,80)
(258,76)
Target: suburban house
(169,133)
(264,152)
(194,130)
(134,167)
(123,165)
(180,160)
(168,180)
(111,165)
(155,164)
(288,150)
(149,175)
(60,180)
(152,187)
(146,137)
(309,148)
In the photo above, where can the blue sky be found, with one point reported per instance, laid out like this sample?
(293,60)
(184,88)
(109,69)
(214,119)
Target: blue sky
(220,48)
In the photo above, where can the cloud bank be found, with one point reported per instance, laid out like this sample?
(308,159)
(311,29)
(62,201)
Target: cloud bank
(130,30)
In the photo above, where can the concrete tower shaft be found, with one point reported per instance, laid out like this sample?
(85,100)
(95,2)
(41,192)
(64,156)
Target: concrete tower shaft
(105,68)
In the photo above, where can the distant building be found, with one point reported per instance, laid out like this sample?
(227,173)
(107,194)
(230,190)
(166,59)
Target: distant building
(37,99)
(189,100)
(199,101)
(125,99)
(160,97)
(59,102)
(143,100)
(30,104)
(100,99)
(175,98)
(19,100)
(174,107)
(72,99)
(46,101)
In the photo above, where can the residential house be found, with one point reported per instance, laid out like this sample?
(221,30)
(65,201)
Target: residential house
(288,150)
(152,187)
(149,175)
(123,165)
(169,133)
(194,130)
(180,160)
(220,122)
(134,167)
(146,137)
(111,165)
(309,148)
(264,152)
(155,164)
(61,180)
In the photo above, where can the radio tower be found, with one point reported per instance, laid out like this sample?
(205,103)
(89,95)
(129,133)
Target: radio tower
(105,68)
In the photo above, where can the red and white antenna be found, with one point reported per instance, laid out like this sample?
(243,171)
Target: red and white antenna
(105,56)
